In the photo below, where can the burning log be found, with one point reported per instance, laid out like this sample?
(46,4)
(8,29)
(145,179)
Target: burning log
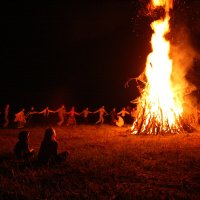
(140,79)
(146,123)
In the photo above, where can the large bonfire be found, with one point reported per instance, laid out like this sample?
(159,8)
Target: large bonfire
(160,106)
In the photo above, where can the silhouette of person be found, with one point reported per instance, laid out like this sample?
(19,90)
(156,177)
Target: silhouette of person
(85,114)
(113,116)
(119,122)
(48,152)
(29,116)
(123,113)
(31,112)
(46,113)
(22,149)
(20,118)
(71,120)
(133,114)
(61,115)
(6,116)
(101,112)
(128,117)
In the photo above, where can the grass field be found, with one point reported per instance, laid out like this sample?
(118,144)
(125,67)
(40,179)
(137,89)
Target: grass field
(105,162)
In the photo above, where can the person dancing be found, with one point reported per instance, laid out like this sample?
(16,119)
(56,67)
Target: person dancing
(46,113)
(71,121)
(6,116)
(20,118)
(61,115)
(101,112)
(85,114)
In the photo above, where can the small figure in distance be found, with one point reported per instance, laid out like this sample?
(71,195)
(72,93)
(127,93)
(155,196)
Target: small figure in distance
(128,118)
(133,114)
(101,112)
(61,115)
(22,150)
(46,111)
(123,113)
(20,118)
(113,116)
(71,121)
(48,152)
(85,114)
(31,112)
(119,122)
(6,116)
(30,117)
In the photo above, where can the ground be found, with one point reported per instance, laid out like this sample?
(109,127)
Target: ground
(105,162)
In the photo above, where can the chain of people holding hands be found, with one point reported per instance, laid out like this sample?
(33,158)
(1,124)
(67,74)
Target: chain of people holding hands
(68,118)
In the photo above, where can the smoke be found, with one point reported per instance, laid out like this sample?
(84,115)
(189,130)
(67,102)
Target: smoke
(183,56)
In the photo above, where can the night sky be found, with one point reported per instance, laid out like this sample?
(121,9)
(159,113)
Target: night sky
(78,52)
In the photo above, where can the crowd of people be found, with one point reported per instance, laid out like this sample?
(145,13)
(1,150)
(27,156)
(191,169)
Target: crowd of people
(48,150)
(62,117)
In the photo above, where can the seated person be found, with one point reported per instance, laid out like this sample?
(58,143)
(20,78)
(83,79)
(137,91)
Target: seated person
(21,149)
(119,122)
(49,148)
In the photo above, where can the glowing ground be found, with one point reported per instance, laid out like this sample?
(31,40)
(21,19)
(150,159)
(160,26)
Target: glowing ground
(105,162)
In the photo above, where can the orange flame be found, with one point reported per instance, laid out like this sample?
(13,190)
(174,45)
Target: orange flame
(159,107)
(167,4)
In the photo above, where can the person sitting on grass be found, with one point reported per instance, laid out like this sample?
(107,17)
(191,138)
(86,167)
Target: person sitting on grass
(22,150)
(48,152)
(119,122)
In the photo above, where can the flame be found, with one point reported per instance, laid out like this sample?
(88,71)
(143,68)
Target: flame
(159,107)
(167,4)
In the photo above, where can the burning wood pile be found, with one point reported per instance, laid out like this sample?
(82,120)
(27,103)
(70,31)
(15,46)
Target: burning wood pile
(160,107)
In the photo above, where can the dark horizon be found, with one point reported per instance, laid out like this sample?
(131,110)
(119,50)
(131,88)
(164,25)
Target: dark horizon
(77,53)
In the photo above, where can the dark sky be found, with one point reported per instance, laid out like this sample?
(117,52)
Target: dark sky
(76,52)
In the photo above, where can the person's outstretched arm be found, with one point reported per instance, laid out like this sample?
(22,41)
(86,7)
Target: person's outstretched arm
(95,111)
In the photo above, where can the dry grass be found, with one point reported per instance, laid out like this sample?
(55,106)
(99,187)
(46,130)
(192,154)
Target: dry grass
(105,162)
